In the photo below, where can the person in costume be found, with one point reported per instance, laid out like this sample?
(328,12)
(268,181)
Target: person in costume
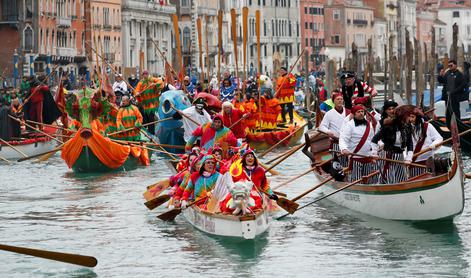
(147,94)
(248,169)
(231,116)
(355,138)
(212,134)
(397,140)
(424,135)
(227,90)
(354,88)
(189,87)
(196,112)
(285,93)
(36,98)
(129,117)
(202,183)
(371,114)
(120,88)
(180,181)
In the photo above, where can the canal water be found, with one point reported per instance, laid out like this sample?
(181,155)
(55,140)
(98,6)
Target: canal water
(47,206)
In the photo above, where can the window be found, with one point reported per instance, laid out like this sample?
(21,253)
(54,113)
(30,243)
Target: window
(305,10)
(312,41)
(297,29)
(307,42)
(311,26)
(456,14)
(315,10)
(28,37)
(311,10)
(130,28)
(106,16)
(305,25)
(322,11)
(336,14)
(186,39)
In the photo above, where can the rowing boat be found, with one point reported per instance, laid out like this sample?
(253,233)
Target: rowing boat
(29,147)
(247,226)
(264,139)
(423,198)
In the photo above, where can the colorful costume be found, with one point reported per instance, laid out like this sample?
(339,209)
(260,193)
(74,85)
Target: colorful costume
(211,137)
(129,117)
(149,93)
(285,88)
(231,118)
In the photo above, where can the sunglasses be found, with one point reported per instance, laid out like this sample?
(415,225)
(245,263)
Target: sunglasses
(450,65)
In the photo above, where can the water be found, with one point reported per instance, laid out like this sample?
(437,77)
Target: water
(46,206)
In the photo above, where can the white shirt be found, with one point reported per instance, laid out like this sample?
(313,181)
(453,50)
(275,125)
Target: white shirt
(333,121)
(188,125)
(432,137)
(350,137)
(120,86)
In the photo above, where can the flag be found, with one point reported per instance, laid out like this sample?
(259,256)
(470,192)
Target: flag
(455,138)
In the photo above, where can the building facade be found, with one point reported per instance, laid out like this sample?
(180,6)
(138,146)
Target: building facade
(312,31)
(458,12)
(143,24)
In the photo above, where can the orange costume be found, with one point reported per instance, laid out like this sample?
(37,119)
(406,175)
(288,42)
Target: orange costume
(286,93)
(129,117)
(148,92)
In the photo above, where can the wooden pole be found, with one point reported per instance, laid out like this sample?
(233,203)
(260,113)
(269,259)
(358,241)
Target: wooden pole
(257,32)
(219,45)
(282,140)
(409,60)
(234,39)
(245,16)
(385,77)
(370,64)
(200,47)
(208,63)
(176,30)
(13,147)
(454,45)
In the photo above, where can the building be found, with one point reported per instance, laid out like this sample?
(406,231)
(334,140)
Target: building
(427,19)
(312,31)
(345,24)
(458,12)
(407,20)
(60,37)
(143,24)
(18,31)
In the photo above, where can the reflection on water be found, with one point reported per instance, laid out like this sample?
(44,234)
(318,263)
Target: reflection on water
(45,205)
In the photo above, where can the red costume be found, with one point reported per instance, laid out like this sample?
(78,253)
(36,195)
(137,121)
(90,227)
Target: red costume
(36,101)
(229,119)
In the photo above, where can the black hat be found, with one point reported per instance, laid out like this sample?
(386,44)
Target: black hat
(349,74)
(389,103)
(283,68)
(200,100)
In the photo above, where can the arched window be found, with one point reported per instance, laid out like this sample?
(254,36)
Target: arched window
(28,38)
(186,39)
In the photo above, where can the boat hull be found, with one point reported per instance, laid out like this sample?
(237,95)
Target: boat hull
(29,149)
(244,227)
(87,162)
(465,141)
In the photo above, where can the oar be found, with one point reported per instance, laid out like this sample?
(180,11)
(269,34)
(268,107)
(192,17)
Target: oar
(282,140)
(442,143)
(40,154)
(13,147)
(467,175)
(157,201)
(303,174)
(166,145)
(50,154)
(238,121)
(286,204)
(288,152)
(144,125)
(332,193)
(155,142)
(87,261)
(6,160)
(284,158)
(386,159)
(267,169)
(51,126)
(171,214)
(38,130)
(183,115)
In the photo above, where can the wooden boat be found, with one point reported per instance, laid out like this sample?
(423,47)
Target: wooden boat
(463,125)
(264,139)
(247,226)
(423,198)
(30,147)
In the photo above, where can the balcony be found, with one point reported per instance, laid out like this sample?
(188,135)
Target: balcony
(107,27)
(360,22)
(96,26)
(185,10)
(207,11)
(66,52)
(63,22)
(117,27)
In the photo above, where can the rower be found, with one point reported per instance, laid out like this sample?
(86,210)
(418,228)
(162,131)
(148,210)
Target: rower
(129,117)
(371,114)
(424,135)
(147,93)
(333,121)
(232,116)
(285,93)
(196,112)
(355,138)
(354,88)
(396,139)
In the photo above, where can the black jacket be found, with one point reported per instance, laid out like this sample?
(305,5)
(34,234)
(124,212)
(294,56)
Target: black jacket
(454,84)
(387,134)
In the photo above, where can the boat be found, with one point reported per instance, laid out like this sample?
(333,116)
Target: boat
(29,146)
(265,138)
(245,227)
(428,197)
(462,124)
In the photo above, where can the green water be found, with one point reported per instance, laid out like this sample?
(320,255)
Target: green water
(47,206)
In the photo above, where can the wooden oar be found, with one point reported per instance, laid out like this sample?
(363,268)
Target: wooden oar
(332,193)
(467,175)
(386,159)
(13,147)
(286,204)
(157,201)
(442,143)
(51,126)
(282,140)
(155,142)
(284,158)
(144,125)
(288,152)
(38,130)
(171,214)
(267,169)
(183,115)
(238,121)
(6,160)
(40,154)
(87,261)
(303,174)
(166,145)
(50,154)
